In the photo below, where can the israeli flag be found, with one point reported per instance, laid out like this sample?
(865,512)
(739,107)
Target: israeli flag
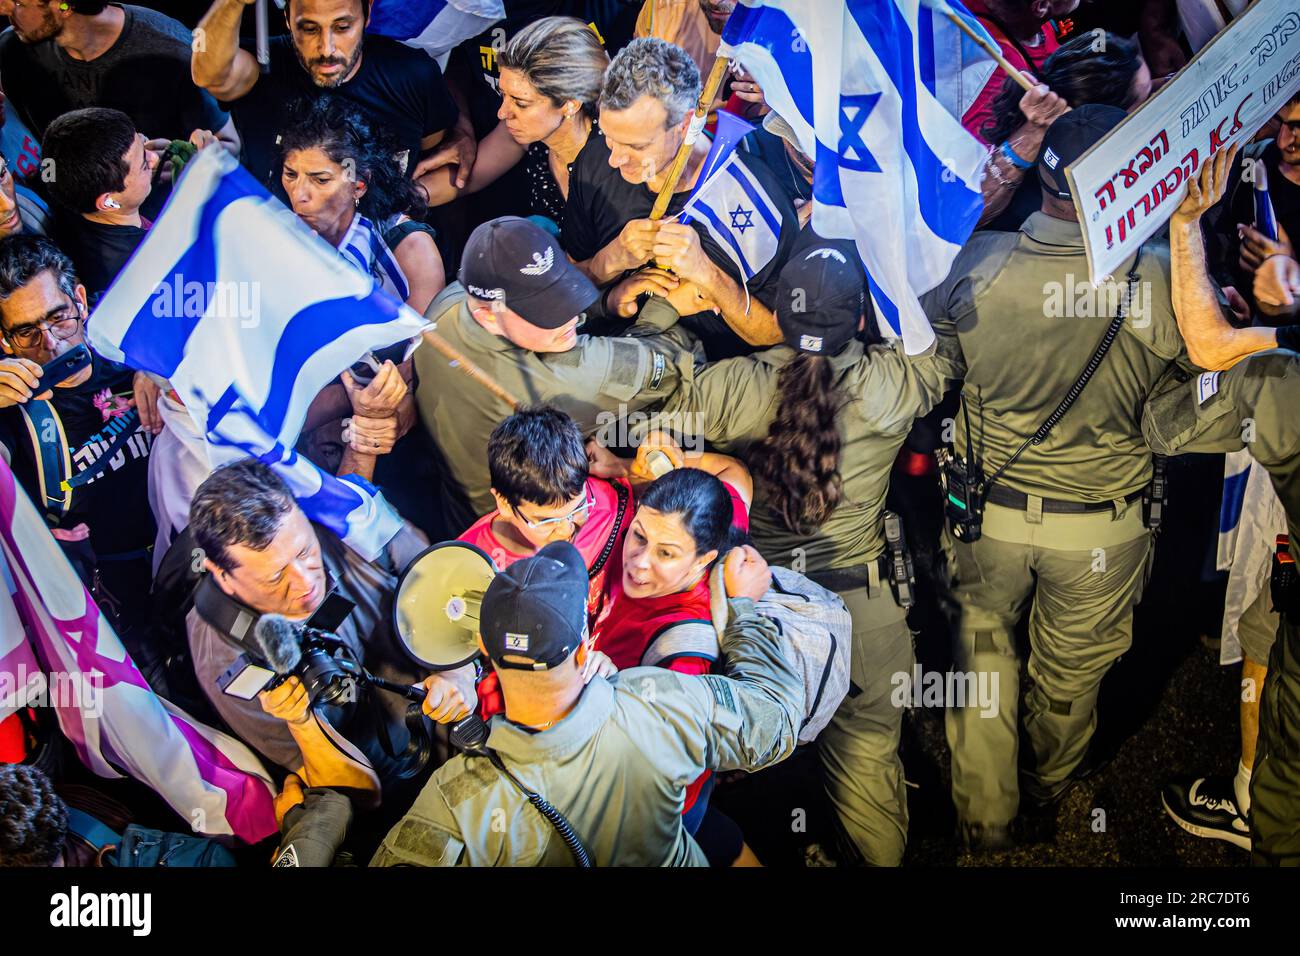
(732,204)
(249,314)
(859,81)
(364,247)
(434,26)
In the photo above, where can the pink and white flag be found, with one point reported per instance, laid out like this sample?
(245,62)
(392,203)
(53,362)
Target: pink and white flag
(55,645)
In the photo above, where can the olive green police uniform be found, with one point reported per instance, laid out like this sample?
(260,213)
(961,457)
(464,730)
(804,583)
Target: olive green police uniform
(598,377)
(1254,404)
(1064,533)
(734,402)
(617,766)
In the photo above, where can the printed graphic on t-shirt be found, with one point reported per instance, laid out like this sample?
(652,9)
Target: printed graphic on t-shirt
(120,415)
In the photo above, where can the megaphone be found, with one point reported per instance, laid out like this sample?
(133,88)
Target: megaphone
(439,597)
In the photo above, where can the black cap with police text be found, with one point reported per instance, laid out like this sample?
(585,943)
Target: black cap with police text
(1070,136)
(535,611)
(519,263)
(820,296)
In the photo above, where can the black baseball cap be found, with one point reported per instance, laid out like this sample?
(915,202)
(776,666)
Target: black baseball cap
(517,262)
(820,296)
(1070,136)
(535,611)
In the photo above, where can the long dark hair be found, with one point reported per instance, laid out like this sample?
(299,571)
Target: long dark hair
(799,460)
(701,502)
(1081,71)
(345,134)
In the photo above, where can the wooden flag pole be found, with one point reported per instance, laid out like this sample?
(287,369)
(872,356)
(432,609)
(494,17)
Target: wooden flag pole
(711,87)
(469,368)
(988,48)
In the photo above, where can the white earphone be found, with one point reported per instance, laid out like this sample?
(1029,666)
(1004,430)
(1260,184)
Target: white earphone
(112,203)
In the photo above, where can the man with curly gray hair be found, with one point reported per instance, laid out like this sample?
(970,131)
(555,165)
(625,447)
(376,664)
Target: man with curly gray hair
(646,110)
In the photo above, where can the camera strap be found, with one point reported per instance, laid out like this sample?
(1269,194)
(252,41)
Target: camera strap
(1080,383)
(231,617)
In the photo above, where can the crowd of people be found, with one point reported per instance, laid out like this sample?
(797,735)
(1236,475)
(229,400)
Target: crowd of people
(691,492)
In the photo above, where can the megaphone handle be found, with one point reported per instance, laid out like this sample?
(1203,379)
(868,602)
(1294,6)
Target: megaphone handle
(411,692)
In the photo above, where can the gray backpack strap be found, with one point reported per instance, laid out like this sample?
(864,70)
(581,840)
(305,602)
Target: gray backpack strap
(684,639)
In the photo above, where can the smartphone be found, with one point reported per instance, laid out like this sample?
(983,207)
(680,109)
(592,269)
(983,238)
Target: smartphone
(64,367)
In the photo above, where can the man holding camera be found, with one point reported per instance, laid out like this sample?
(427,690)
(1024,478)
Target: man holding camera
(264,557)
(613,756)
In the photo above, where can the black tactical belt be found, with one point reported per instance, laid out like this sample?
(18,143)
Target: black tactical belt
(846,579)
(1010,498)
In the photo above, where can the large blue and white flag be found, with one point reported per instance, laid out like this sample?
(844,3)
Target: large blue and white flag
(732,204)
(860,83)
(434,26)
(249,314)
(1250,519)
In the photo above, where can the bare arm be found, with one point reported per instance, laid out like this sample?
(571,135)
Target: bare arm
(498,153)
(228,137)
(1212,342)
(218,64)
(329,759)
(1040,107)
(418,256)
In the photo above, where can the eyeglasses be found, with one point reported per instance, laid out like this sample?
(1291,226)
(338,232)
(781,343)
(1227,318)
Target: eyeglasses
(62,326)
(577,514)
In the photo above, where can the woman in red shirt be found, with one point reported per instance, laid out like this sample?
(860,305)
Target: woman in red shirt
(657,612)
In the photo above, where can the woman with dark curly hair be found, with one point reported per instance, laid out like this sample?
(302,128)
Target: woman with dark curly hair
(819,422)
(1091,68)
(344,179)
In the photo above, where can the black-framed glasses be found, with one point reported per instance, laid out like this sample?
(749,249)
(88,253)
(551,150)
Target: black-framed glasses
(62,326)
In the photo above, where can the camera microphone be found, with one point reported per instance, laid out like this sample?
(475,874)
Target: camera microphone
(276,639)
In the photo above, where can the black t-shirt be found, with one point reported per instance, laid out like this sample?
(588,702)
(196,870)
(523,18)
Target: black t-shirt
(114,505)
(145,74)
(601,202)
(473,63)
(401,89)
(1223,247)
(99,251)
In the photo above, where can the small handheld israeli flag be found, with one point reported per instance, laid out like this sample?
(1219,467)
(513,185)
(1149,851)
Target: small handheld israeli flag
(732,204)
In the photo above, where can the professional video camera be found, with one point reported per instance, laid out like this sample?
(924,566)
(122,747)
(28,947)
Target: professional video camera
(337,682)
(280,648)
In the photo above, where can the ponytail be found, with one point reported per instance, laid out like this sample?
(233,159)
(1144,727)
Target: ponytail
(799,460)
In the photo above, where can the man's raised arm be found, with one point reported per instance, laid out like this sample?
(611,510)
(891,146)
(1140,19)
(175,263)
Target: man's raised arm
(217,62)
(1212,342)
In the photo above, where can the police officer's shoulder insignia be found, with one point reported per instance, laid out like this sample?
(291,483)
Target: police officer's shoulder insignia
(1206,385)
(722,694)
(288,857)
(627,371)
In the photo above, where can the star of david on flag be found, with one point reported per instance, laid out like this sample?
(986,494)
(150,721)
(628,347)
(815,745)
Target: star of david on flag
(732,204)
(874,90)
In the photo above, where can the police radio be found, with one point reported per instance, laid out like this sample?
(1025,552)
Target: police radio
(963,485)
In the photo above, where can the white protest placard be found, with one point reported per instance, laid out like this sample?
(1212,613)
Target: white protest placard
(1127,186)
